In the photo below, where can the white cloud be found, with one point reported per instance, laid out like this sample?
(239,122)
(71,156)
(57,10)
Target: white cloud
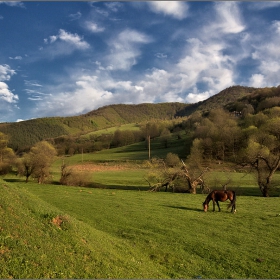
(206,63)
(64,43)
(125,49)
(197,96)
(86,95)
(5,75)
(6,94)
(93,27)
(6,72)
(72,39)
(257,80)
(176,9)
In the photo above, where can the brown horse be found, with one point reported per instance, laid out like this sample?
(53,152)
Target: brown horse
(222,196)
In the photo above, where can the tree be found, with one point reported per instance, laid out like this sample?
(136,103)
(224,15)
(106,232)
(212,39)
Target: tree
(7,155)
(262,153)
(194,180)
(219,135)
(165,137)
(160,176)
(172,160)
(38,161)
(178,178)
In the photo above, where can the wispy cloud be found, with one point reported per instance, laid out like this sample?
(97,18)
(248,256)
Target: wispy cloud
(267,55)
(93,27)
(16,57)
(264,5)
(125,49)
(176,9)
(114,6)
(75,16)
(64,43)
(227,20)
(13,3)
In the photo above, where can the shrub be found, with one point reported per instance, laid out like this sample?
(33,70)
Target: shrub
(172,160)
(73,178)
(5,168)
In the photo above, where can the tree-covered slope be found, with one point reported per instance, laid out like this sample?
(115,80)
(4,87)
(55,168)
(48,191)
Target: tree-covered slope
(236,98)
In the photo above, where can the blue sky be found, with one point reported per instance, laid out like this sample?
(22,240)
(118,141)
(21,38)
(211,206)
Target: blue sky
(68,58)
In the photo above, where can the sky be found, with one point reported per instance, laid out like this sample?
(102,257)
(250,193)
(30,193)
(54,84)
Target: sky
(71,57)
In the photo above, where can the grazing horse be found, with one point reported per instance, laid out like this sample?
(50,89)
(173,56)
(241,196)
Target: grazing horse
(222,196)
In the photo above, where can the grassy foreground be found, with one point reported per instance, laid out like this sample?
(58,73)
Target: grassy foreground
(49,231)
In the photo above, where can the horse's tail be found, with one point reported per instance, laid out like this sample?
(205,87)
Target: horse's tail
(233,202)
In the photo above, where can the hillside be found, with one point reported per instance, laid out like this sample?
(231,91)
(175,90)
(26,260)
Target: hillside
(25,134)
(225,97)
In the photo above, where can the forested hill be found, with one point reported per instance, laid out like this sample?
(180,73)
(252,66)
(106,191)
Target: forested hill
(27,133)
(126,113)
(225,97)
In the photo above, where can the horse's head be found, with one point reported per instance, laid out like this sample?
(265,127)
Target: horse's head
(205,206)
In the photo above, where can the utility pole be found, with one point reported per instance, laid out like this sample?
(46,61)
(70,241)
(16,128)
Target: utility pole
(149,146)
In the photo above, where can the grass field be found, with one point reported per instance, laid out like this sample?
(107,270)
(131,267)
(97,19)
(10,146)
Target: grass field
(50,231)
(123,231)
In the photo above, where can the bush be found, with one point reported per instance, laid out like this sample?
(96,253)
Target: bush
(172,160)
(5,168)
(73,178)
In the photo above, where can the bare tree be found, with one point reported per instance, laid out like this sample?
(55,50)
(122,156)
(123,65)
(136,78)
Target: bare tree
(194,181)
(163,177)
(166,178)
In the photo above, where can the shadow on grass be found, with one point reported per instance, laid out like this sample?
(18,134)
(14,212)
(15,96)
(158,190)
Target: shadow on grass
(14,180)
(184,208)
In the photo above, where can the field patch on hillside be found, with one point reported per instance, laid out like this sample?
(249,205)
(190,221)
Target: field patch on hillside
(99,167)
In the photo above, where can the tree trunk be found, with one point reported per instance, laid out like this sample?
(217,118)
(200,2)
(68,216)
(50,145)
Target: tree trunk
(192,190)
(265,192)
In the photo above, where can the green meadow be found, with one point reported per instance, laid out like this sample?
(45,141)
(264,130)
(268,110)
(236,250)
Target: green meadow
(51,231)
(121,230)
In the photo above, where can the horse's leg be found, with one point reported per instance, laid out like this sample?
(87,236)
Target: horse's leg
(218,206)
(233,209)
(213,205)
